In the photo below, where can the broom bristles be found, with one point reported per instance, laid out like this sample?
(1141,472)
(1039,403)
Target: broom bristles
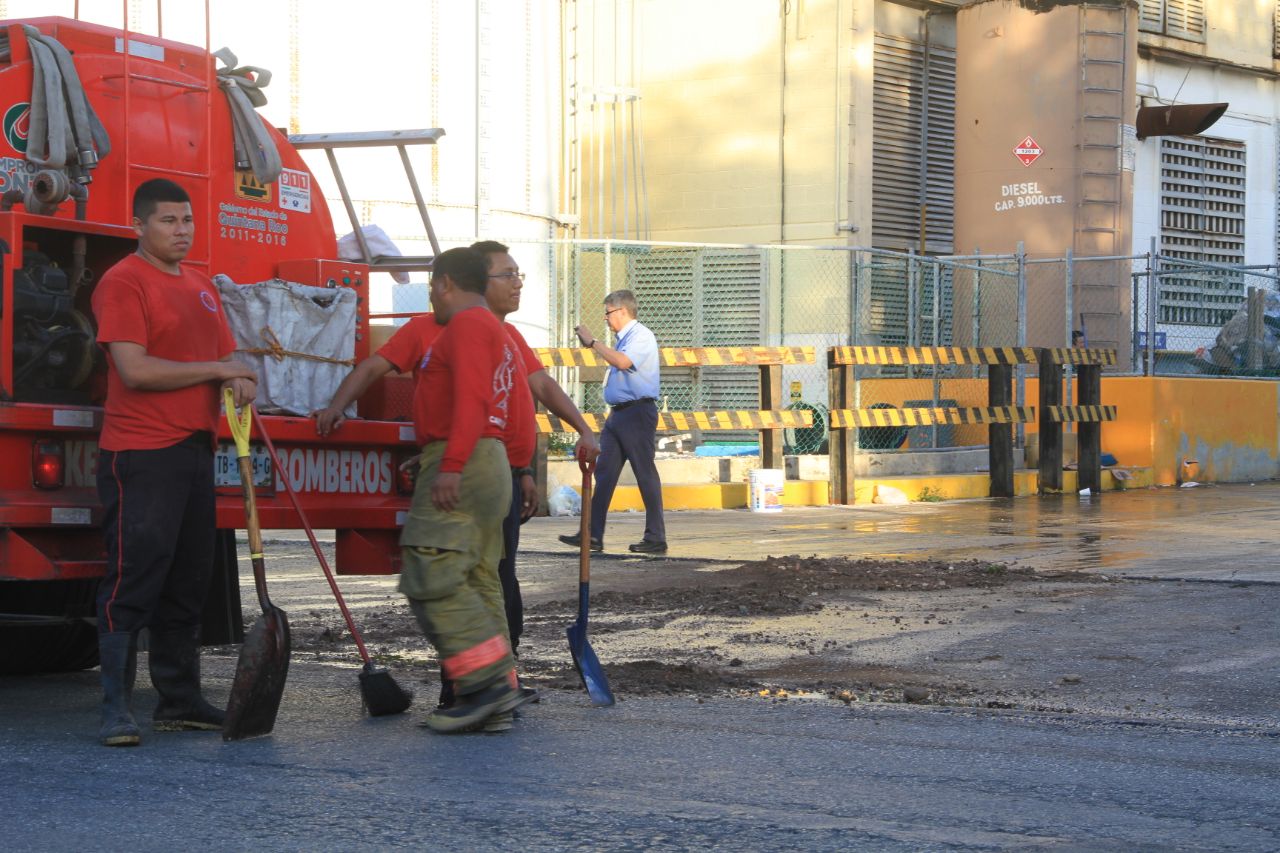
(382,695)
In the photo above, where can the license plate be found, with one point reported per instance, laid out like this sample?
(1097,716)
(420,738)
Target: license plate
(226,466)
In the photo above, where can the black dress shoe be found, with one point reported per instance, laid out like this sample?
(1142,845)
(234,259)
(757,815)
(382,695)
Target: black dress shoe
(645,546)
(576,541)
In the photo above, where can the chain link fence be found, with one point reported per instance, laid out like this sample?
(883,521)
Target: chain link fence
(1202,319)
(732,295)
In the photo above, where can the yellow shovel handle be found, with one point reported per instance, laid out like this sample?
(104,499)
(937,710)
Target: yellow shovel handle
(239,425)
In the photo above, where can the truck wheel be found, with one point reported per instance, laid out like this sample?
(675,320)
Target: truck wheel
(47,626)
(29,648)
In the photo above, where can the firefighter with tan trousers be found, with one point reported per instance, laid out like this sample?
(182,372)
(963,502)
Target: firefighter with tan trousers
(452,538)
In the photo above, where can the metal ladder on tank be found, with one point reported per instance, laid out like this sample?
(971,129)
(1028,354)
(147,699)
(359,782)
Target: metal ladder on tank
(1104,33)
(329,143)
(1101,111)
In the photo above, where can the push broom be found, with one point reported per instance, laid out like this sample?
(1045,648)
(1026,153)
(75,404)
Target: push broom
(381,694)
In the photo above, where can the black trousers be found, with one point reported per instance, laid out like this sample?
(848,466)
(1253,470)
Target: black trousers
(511,599)
(159,523)
(630,435)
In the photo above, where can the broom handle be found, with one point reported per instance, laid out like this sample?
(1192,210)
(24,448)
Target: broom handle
(306,525)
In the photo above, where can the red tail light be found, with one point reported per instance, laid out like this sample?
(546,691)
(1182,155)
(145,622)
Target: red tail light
(47,469)
(406,473)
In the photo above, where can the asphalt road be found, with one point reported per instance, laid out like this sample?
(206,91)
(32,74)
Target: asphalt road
(647,774)
(744,772)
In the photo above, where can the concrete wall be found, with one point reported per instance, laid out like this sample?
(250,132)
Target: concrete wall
(1230,427)
(746,117)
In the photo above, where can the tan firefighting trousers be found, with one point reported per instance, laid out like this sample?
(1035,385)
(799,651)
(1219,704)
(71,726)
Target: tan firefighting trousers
(449,568)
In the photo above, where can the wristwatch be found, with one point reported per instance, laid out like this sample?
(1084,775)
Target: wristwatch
(590,345)
(523,472)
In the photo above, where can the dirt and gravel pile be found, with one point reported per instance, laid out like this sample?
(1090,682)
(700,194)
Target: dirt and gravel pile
(795,584)
(772,627)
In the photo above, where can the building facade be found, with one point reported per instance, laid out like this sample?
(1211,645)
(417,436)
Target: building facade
(840,121)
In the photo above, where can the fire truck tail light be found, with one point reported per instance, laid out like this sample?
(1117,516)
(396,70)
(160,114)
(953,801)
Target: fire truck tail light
(406,471)
(47,468)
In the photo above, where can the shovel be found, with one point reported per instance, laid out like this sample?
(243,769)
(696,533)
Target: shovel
(381,694)
(264,656)
(584,657)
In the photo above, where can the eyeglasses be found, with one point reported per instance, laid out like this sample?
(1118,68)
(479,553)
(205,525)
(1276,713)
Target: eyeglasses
(612,311)
(518,275)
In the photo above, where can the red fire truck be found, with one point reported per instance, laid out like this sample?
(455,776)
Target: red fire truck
(62,226)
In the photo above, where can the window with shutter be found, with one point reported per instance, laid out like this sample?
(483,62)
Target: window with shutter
(912,169)
(1202,216)
(1151,16)
(1179,18)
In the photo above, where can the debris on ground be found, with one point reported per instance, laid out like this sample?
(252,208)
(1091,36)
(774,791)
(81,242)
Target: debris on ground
(781,628)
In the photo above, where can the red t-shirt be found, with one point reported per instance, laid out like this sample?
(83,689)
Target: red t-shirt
(522,429)
(408,347)
(175,317)
(463,387)
(407,351)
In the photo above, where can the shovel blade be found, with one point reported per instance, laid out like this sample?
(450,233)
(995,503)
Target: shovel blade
(588,665)
(260,676)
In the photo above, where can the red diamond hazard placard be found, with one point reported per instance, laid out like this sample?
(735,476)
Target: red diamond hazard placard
(1028,151)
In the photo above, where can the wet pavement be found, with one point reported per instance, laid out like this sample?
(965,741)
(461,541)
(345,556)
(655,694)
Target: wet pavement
(1219,533)
(1119,714)
(666,774)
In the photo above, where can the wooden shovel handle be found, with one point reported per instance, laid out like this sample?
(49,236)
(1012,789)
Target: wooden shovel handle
(240,429)
(584,546)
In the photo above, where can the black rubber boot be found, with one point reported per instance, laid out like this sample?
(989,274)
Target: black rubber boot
(118,655)
(447,697)
(471,709)
(175,672)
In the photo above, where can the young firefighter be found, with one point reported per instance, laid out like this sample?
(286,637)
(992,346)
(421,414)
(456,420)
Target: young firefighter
(404,352)
(452,538)
(168,357)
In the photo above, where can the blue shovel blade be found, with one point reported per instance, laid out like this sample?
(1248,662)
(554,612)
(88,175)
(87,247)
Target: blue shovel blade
(588,665)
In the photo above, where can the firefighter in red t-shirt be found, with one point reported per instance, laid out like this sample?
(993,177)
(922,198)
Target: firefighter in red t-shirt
(452,537)
(404,353)
(168,357)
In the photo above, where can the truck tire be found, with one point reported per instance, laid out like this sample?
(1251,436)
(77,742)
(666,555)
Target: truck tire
(47,626)
(27,649)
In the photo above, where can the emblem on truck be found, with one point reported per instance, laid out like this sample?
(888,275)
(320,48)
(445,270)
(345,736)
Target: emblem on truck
(17,126)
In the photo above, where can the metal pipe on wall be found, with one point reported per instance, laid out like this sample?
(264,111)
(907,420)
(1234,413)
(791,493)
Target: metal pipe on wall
(1021,398)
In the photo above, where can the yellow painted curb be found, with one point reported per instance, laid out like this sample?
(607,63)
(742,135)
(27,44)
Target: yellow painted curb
(815,492)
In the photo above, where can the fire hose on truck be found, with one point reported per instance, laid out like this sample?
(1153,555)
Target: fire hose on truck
(88,113)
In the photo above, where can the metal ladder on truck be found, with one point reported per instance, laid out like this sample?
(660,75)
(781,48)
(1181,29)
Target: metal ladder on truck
(1104,35)
(400,140)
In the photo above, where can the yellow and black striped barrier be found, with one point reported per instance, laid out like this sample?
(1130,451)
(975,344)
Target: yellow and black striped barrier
(1080,355)
(1088,414)
(686,356)
(1080,414)
(768,360)
(569,357)
(904,356)
(705,421)
(866,418)
(729,356)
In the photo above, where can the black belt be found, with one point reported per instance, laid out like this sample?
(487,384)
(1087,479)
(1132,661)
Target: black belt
(618,407)
(199,438)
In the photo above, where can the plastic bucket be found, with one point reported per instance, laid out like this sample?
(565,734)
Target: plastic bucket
(764,489)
